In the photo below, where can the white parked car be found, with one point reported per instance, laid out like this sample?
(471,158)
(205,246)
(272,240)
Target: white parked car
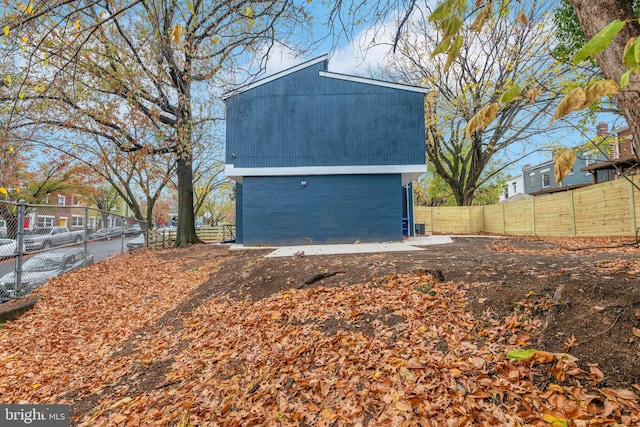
(8,248)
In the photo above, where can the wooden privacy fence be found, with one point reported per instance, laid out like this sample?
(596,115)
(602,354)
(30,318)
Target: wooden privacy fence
(608,209)
(166,237)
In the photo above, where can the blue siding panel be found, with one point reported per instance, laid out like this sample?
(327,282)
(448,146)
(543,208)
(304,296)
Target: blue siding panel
(328,209)
(239,213)
(304,119)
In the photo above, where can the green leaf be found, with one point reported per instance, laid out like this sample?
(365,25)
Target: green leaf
(442,11)
(521,354)
(451,25)
(600,41)
(510,94)
(190,6)
(443,46)
(624,80)
(453,52)
(630,53)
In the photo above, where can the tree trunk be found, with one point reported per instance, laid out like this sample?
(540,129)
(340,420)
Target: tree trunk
(186,233)
(593,17)
(151,221)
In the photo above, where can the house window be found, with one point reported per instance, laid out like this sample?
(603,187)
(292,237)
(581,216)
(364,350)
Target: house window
(515,188)
(588,159)
(45,221)
(532,180)
(75,201)
(77,221)
(61,200)
(546,178)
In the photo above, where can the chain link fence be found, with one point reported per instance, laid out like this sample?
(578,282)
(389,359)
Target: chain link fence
(38,242)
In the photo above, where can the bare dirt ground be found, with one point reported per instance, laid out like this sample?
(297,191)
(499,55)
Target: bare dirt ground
(586,291)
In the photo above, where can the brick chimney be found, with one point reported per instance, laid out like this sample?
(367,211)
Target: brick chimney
(602,129)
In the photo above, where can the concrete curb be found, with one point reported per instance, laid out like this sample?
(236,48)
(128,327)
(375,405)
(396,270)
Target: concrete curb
(14,309)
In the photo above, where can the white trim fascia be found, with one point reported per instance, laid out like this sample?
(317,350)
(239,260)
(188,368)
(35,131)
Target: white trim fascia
(539,165)
(545,170)
(275,76)
(409,172)
(373,82)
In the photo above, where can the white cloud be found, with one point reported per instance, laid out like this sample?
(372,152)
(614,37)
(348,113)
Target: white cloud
(367,51)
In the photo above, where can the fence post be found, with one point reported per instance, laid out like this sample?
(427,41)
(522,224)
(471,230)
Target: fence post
(632,206)
(533,215)
(86,236)
(572,214)
(504,222)
(433,221)
(20,236)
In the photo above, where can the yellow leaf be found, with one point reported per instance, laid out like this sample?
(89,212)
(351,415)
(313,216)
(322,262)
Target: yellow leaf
(248,12)
(456,371)
(328,414)
(36,385)
(482,118)
(406,374)
(378,374)
(175,34)
(3,191)
(573,101)
(8,79)
(121,402)
(422,329)
(11,149)
(21,96)
(555,420)
(564,164)
(77,24)
(25,39)
(6,30)
(403,406)
(215,40)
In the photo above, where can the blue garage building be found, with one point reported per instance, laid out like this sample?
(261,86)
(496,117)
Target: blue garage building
(321,157)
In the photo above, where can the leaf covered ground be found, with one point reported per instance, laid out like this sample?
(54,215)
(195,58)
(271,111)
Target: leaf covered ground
(204,336)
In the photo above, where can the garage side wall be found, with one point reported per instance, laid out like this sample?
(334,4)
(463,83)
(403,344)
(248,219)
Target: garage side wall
(321,209)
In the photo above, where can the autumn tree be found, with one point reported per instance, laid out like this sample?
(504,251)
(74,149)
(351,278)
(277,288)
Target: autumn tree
(131,176)
(503,66)
(34,181)
(99,67)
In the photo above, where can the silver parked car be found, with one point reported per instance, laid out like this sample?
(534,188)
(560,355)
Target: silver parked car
(38,268)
